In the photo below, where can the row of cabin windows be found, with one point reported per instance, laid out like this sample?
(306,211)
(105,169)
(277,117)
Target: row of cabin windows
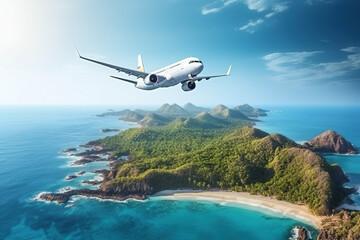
(195,61)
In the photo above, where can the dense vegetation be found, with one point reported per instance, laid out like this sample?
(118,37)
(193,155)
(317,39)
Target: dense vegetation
(344,225)
(219,149)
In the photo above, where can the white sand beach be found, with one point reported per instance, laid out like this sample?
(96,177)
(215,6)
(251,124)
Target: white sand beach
(298,212)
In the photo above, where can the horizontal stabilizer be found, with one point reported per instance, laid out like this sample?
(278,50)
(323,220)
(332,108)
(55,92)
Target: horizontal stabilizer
(126,80)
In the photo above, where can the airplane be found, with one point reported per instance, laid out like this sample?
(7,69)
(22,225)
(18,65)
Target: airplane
(185,72)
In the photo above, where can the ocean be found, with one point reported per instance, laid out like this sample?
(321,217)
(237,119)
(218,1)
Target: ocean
(31,162)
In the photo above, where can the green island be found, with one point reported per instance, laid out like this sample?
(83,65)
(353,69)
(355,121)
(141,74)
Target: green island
(202,149)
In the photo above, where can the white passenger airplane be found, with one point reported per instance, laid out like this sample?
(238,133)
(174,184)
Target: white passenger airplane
(184,72)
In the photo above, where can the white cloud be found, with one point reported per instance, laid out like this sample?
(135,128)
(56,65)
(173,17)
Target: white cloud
(268,8)
(260,5)
(277,9)
(299,66)
(264,5)
(254,5)
(250,26)
(311,2)
(208,9)
(351,49)
(274,6)
(353,58)
(257,5)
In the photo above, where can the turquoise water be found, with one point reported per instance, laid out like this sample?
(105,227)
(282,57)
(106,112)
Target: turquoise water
(31,140)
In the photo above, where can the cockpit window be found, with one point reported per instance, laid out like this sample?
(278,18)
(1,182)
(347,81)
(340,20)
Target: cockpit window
(195,61)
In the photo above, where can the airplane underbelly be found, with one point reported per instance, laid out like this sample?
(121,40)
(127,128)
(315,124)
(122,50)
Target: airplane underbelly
(180,75)
(174,78)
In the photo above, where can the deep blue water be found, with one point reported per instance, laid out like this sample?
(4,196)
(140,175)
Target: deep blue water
(31,140)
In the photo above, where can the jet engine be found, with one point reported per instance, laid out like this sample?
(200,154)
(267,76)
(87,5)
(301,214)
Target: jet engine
(151,79)
(188,86)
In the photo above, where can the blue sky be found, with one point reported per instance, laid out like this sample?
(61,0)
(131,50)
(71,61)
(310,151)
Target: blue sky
(282,52)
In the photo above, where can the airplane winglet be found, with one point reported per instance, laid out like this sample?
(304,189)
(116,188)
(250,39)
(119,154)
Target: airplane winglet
(77,52)
(228,72)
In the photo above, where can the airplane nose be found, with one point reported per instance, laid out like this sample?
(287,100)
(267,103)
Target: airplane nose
(200,68)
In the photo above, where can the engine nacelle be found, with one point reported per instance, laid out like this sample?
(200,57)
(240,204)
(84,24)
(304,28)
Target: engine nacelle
(151,79)
(188,86)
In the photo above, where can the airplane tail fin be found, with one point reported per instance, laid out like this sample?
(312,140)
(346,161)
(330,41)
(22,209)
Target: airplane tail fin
(140,66)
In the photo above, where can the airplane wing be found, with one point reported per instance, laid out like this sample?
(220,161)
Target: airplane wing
(126,80)
(214,76)
(131,72)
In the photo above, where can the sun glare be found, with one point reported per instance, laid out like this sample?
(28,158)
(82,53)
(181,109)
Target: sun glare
(16,21)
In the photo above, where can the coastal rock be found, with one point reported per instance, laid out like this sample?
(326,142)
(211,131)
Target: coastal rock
(91,182)
(132,188)
(54,197)
(331,142)
(110,130)
(89,159)
(302,233)
(64,197)
(80,173)
(83,161)
(104,174)
(97,151)
(69,150)
(70,177)
(338,175)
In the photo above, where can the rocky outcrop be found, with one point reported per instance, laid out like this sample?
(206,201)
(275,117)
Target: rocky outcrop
(69,150)
(70,177)
(80,173)
(93,154)
(64,197)
(89,159)
(105,130)
(95,150)
(302,233)
(91,182)
(331,142)
(131,188)
(108,190)
(343,225)
(338,175)
(105,174)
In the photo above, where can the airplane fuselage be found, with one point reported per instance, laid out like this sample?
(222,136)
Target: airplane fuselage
(173,74)
(185,72)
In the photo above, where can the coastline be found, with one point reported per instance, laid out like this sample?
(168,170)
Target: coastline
(295,211)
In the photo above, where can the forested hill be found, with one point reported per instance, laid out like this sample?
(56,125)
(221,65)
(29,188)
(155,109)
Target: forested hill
(216,150)
(168,113)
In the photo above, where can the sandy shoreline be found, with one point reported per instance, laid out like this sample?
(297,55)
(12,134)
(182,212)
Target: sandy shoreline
(298,212)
